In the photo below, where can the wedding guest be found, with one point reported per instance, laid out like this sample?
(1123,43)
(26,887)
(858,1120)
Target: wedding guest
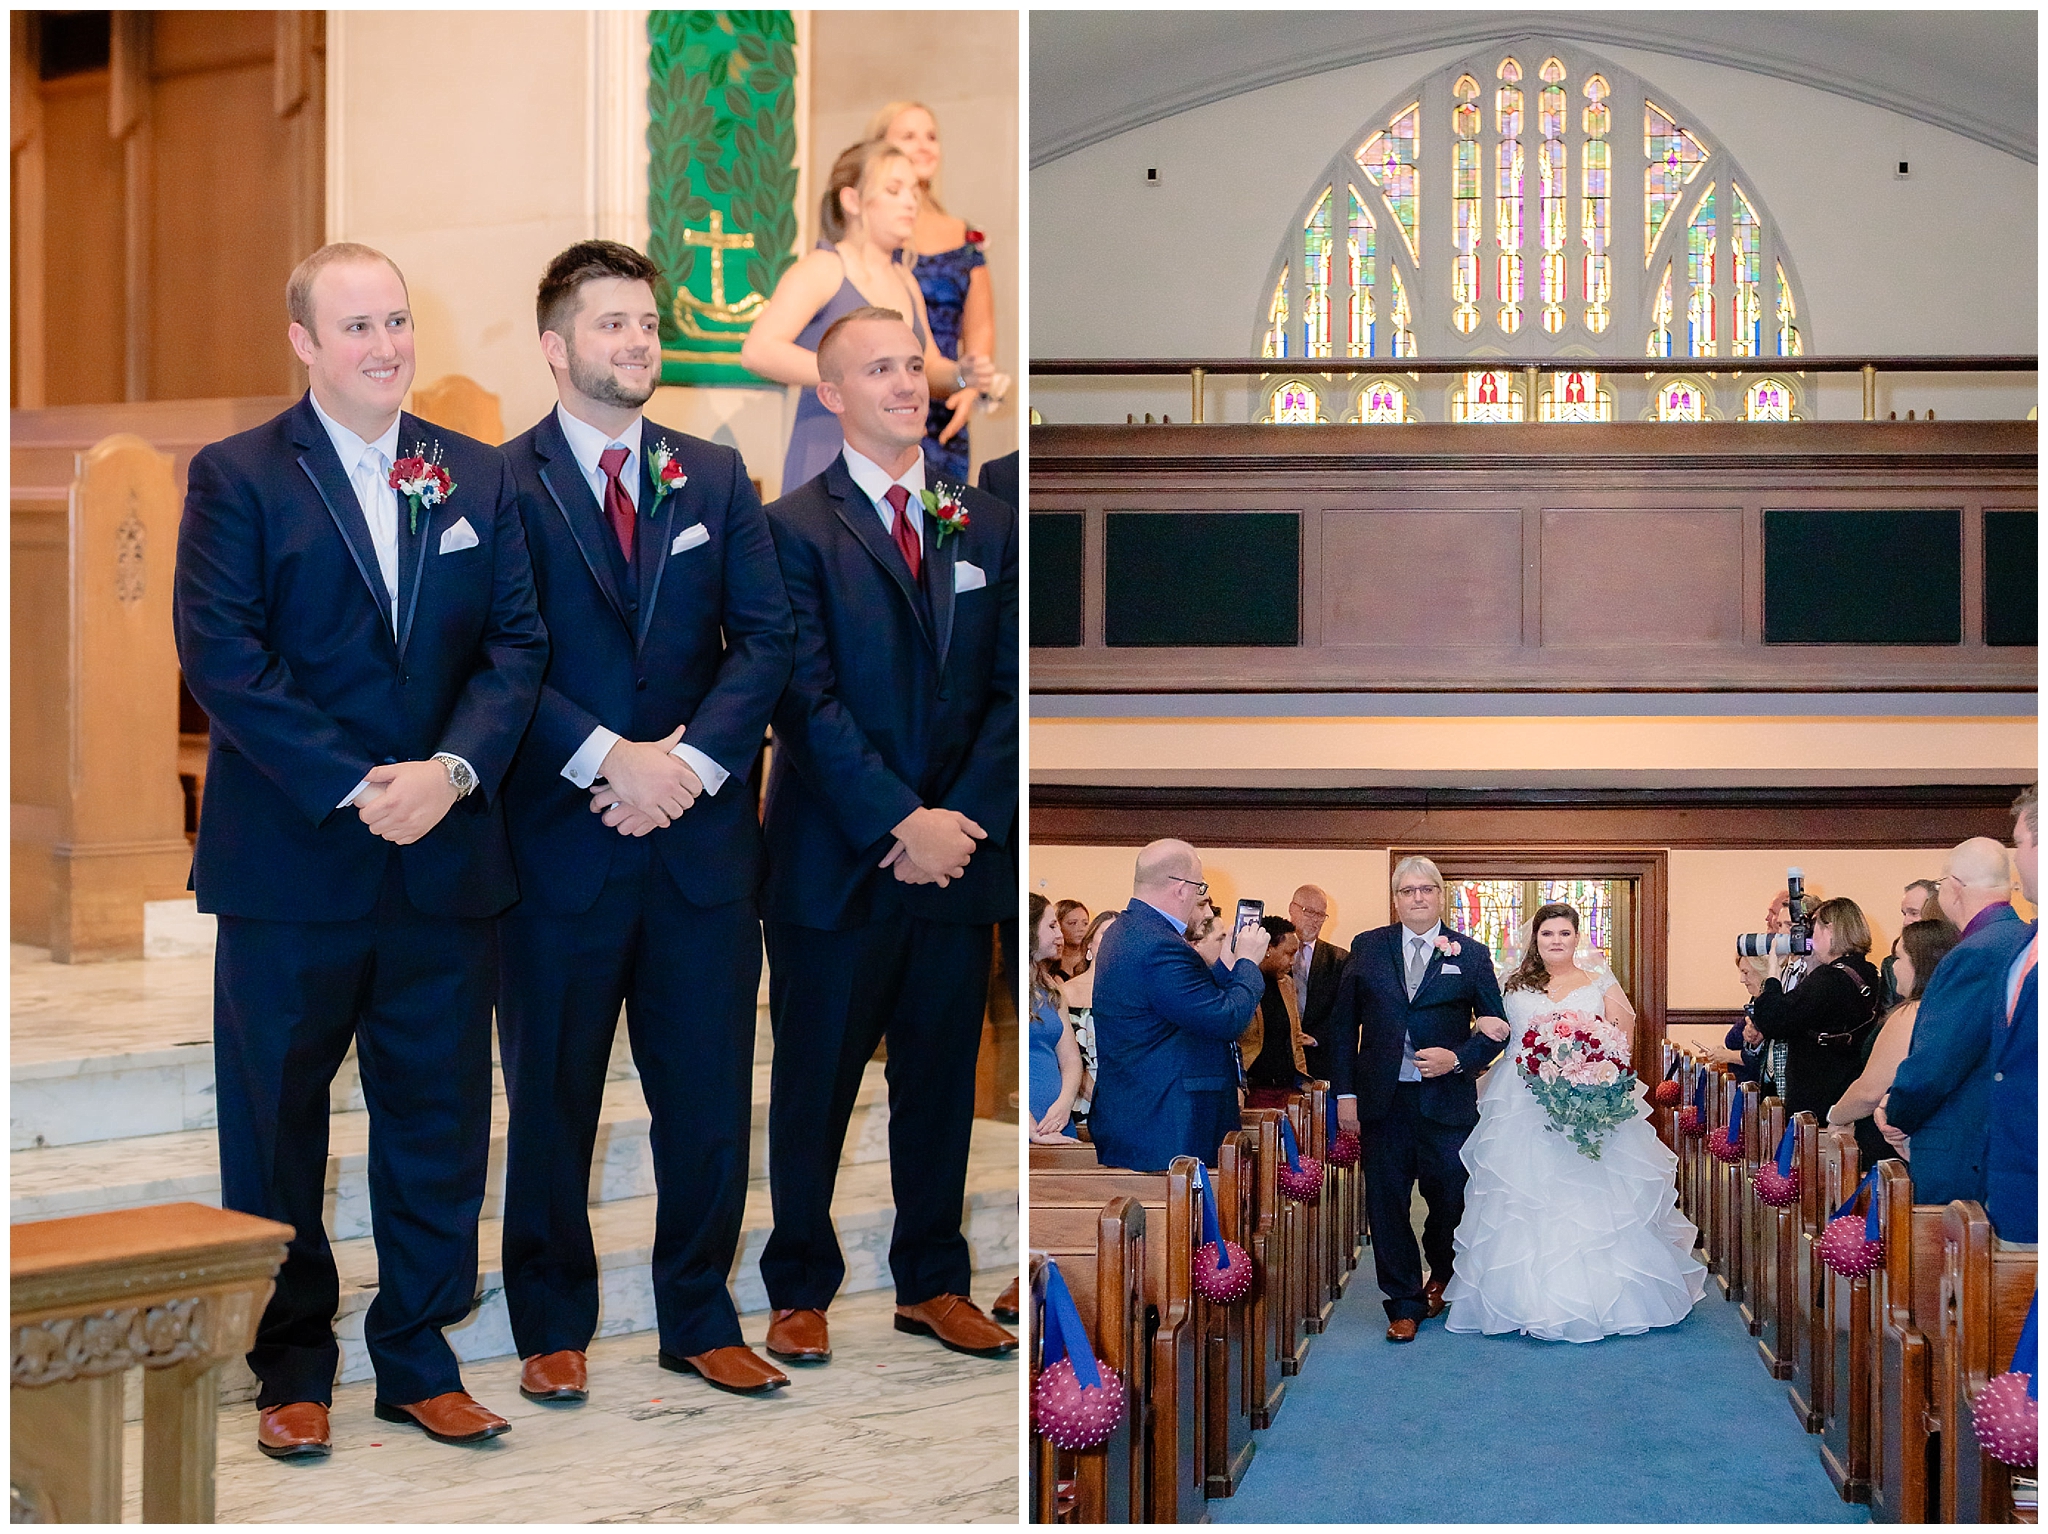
(1207,935)
(999,478)
(1752,1056)
(866,218)
(2012,1146)
(1055,1056)
(1071,960)
(1318,969)
(1271,1047)
(1166,1019)
(1080,997)
(353,843)
(1939,1107)
(1912,908)
(1821,1024)
(1922,946)
(952,271)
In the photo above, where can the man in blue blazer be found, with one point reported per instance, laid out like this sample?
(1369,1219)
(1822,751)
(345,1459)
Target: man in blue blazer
(1940,1100)
(2012,1148)
(355,612)
(1167,1021)
(1407,1054)
(656,574)
(891,804)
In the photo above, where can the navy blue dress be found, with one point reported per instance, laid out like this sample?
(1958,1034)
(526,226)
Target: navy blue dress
(1046,1029)
(944,278)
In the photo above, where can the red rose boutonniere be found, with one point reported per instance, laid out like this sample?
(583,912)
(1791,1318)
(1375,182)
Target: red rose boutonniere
(668,474)
(948,515)
(422,481)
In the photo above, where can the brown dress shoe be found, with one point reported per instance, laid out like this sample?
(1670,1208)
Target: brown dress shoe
(739,1370)
(295,1430)
(1432,1300)
(453,1417)
(562,1376)
(958,1324)
(1402,1330)
(1005,1307)
(800,1337)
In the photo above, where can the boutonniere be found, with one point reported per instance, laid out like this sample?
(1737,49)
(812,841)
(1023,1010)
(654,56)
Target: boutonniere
(947,513)
(1445,946)
(668,474)
(422,481)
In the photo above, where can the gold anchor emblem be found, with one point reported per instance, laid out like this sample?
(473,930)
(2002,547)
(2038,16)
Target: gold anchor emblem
(688,306)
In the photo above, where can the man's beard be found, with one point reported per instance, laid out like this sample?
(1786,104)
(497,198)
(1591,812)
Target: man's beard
(596,381)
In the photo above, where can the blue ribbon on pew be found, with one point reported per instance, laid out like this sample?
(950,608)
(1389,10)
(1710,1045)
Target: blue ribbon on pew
(1872,1226)
(1065,1336)
(1212,1228)
(2024,1356)
(1735,1119)
(1672,1074)
(1287,1144)
(1699,1093)
(1330,1113)
(1785,1152)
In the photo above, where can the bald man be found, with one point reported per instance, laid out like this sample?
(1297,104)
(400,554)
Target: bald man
(1166,1074)
(1317,969)
(1941,1097)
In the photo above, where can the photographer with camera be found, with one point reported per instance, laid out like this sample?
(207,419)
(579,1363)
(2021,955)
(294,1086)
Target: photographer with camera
(1823,1024)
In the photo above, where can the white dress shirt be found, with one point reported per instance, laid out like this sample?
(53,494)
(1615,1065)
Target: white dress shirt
(874,482)
(588,445)
(1410,1071)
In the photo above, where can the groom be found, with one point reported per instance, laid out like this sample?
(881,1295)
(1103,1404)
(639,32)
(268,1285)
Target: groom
(1404,1060)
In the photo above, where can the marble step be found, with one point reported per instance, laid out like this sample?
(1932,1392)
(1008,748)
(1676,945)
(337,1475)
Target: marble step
(54,1180)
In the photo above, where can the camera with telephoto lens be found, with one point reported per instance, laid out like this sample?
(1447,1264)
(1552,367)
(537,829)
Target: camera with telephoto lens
(1755,945)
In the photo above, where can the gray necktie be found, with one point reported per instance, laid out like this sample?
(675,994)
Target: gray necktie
(1418,961)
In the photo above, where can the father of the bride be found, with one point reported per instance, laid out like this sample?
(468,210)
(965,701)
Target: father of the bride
(1404,1060)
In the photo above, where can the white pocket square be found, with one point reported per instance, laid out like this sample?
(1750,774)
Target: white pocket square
(689,538)
(460,536)
(1450,969)
(968,576)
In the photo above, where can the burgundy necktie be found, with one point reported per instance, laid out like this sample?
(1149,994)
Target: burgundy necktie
(618,506)
(906,535)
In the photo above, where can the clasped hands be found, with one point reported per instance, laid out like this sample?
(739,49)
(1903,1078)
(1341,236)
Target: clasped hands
(641,786)
(403,801)
(932,846)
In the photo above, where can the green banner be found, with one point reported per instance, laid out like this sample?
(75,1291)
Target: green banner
(721,181)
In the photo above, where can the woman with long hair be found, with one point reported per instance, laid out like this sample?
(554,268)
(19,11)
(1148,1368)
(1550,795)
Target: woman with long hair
(952,272)
(1055,1057)
(865,220)
(1080,994)
(1922,945)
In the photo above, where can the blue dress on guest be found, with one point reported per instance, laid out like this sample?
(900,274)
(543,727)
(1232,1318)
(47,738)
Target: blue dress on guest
(944,278)
(1046,1029)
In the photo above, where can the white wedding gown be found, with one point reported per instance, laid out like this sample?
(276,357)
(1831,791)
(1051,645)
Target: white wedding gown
(1553,1243)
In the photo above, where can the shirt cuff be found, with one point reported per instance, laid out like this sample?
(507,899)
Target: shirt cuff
(581,769)
(351,799)
(709,773)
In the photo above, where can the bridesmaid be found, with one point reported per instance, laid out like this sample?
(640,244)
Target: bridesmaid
(952,272)
(866,218)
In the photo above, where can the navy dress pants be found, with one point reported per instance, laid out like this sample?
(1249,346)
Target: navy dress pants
(688,977)
(413,991)
(1402,1151)
(833,996)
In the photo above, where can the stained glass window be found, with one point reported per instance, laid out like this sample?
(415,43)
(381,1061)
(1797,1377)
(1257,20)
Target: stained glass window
(1552,172)
(1746,252)
(1575,396)
(1675,157)
(1493,911)
(1507,194)
(1465,207)
(1315,280)
(1404,334)
(1388,160)
(1680,399)
(1360,250)
(1276,320)
(1593,170)
(1487,396)
(1382,402)
(1768,399)
(1699,269)
(1788,319)
(1295,403)
(1660,318)
(1489,910)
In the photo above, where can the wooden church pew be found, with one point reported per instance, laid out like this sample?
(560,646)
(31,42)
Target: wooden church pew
(1774,1240)
(1747,1205)
(1287,1286)
(1905,1300)
(1101,1254)
(1231,1335)
(1318,1242)
(1077,1157)
(1985,1289)
(1806,1340)
(1845,1317)
(1176,1442)
(1266,1338)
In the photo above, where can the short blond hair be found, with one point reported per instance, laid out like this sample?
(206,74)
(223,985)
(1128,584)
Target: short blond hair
(1414,864)
(298,288)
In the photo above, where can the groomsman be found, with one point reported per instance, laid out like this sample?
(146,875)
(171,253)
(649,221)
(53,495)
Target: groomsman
(655,568)
(355,613)
(890,807)
(1318,968)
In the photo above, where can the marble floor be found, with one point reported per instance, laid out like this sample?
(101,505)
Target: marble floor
(894,1430)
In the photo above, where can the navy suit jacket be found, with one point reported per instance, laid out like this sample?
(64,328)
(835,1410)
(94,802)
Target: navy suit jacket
(1941,1096)
(698,636)
(1165,1078)
(2011,1150)
(894,702)
(999,478)
(1373,999)
(282,628)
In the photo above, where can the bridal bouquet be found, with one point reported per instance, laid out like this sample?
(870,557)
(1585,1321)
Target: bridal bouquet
(1577,1067)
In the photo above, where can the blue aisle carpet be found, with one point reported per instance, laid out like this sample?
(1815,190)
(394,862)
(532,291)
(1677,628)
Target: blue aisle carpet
(1680,1425)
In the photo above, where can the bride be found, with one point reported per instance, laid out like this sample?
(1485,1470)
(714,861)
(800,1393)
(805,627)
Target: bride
(1555,1244)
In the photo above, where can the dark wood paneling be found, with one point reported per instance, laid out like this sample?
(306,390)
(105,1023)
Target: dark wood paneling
(1629,577)
(1722,1018)
(1055,580)
(2012,588)
(1422,578)
(1873,575)
(1504,818)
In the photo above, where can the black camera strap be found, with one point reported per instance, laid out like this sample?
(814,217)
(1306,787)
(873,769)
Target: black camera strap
(1872,1009)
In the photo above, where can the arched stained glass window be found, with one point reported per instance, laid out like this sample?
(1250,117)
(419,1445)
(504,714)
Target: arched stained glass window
(1507,194)
(1465,207)
(1360,251)
(1593,172)
(1660,318)
(1276,321)
(1384,402)
(1551,168)
(1315,282)
(1699,272)
(1491,394)
(1746,337)
(1574,396)
(1675,158)
(1295,403)
(1681,399)
(1788,319)
(1388,160)
(1768,399)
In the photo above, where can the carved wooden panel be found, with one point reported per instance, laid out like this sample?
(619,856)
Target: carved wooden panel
(1628,576)
(1431,577)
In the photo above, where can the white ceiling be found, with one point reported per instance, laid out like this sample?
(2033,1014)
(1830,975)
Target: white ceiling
(1095,74)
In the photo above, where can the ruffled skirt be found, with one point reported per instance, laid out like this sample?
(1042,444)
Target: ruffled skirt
(1562,1247)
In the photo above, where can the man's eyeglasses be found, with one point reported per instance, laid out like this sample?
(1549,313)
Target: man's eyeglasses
(1415,891)
(1201,887)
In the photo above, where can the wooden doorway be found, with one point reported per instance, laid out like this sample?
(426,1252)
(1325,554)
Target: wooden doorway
(1640,932)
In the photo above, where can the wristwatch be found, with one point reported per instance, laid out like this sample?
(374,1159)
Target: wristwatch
(460,778)
(1457,1067)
